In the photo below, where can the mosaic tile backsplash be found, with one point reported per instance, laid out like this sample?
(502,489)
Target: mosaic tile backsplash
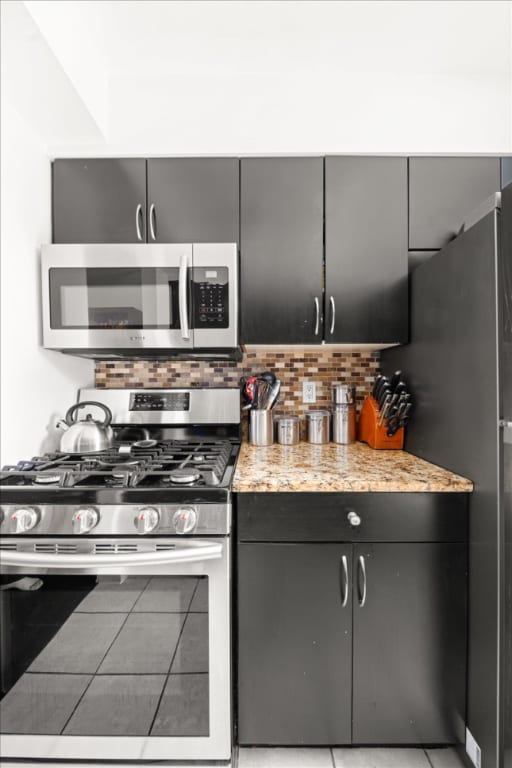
(292,367)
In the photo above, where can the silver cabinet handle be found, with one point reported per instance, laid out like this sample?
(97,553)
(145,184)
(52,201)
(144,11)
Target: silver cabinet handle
(183,297)
(152,221)
(317,316)
(138,221)
(362,568)
(344,580)
(333,314)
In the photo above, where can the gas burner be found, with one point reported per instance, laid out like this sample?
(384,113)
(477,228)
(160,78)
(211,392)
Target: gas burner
(47,478)
(183,476)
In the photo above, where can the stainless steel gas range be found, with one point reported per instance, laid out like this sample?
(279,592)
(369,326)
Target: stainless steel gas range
(115,586)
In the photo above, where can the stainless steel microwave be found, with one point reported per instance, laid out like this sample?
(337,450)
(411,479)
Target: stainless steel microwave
(140,300)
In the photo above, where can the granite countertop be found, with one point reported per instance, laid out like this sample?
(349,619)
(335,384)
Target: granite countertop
(332,467)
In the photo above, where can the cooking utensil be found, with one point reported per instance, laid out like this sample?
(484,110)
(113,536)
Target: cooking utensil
(273,394)
(86,435)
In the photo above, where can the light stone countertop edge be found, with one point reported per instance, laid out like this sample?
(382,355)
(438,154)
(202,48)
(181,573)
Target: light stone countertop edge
(306,467)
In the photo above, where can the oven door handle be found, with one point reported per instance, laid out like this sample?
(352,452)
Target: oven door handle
(183,297)
(187,551)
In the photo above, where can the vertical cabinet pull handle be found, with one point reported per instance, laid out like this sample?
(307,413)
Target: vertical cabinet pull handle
(362,571)
(317,315)
(152,221)
(333,314)
(344,581)
(138,221)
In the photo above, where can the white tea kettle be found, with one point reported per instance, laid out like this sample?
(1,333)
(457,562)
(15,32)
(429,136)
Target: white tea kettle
(87,435)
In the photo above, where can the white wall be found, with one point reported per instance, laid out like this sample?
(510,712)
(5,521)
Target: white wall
(36,384)
(251,77)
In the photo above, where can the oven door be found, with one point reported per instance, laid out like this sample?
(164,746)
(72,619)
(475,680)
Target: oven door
(115,650)
(127,297)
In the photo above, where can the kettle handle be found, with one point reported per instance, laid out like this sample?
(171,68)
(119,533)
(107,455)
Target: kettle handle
(69,415)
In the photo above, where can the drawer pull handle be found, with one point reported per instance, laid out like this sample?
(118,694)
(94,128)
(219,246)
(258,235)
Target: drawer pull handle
(353,518)
(362,572)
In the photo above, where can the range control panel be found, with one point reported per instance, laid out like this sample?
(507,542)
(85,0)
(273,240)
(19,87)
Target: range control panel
(167,401)
(211,297)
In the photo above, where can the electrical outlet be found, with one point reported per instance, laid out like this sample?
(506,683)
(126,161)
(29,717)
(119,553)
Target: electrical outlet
(309,391)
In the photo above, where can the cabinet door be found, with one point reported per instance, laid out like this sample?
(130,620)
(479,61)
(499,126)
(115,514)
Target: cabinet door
(294,643)
(99,201)
(193,200)
(281,212)
(366,249)
(409,661)
(506,171)
(442,192)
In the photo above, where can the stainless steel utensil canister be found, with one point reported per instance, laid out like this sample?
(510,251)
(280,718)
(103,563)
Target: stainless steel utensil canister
(344,413)
(261,427)
(318,426)
(288,430)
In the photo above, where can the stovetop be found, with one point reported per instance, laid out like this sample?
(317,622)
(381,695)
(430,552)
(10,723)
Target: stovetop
(169,464)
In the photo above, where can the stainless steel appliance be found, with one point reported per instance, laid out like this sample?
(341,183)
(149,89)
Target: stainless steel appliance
(459,362)
(114,300)
(115,586)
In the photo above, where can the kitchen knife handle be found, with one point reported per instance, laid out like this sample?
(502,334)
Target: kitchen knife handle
(362,571)
(317,315)
(152,221)
(344,581)
(333,314)
(138,221)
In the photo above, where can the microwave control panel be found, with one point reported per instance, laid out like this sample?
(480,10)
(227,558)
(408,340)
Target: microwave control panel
(210,297)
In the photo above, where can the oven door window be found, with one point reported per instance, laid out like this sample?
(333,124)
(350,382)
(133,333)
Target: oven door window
(114,298)
(108,656)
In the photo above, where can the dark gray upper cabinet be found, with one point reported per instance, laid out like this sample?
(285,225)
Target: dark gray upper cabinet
(295,646)
(99,200)
(442,192)
(366,294)
(193,200)
(409,630)
(506,171)
(281,245)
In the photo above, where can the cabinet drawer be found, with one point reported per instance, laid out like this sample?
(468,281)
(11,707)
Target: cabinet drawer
(317,517)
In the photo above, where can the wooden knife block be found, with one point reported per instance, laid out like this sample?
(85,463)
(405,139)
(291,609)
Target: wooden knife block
(370,432)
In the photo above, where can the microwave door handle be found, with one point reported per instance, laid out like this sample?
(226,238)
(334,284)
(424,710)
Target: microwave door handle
(183,297)
(184,552)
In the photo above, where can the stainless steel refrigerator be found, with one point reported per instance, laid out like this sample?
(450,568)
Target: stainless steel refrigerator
(459,366)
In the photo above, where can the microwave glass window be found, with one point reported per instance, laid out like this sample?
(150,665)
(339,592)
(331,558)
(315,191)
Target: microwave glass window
(114,298)
(106,656)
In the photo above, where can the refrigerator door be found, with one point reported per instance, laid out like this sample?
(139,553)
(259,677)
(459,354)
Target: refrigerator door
(452,368)
(505,353)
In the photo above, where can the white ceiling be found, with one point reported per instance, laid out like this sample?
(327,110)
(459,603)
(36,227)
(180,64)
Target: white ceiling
(234,76)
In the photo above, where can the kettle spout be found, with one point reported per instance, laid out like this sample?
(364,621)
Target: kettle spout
(61,424)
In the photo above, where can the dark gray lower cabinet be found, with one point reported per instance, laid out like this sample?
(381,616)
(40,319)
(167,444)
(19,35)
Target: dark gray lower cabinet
(409,643)
(295,653)
(360,641)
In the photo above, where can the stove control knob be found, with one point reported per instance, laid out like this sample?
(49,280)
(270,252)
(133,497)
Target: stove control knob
(85,519)
(147,519)
(24,519)
(184,520)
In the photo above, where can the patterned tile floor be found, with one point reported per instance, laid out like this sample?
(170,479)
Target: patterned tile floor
(375,757)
